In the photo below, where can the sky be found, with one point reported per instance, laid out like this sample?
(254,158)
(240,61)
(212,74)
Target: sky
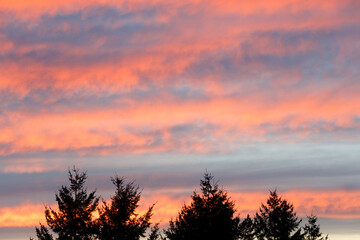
(263,95)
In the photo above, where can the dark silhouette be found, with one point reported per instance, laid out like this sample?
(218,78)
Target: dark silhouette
(277,220)
(210,215)
(246,229)
(43,233)
(119,219)
(155,233)
(74,218)
(312,229)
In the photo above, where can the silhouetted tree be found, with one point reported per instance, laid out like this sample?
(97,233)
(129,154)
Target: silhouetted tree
(210,215)
(246,229)
(42,233)
(74,219)
(155,233)
(118,220)
(312,229)
(277,220)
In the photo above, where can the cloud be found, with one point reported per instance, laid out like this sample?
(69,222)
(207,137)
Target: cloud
(133,126)
(333,204)
(265,94)
(24,215)
(121,47)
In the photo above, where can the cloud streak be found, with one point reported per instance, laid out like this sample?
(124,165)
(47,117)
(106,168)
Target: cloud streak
(328,204)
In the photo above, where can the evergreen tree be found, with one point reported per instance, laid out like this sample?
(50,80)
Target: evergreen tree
(73,220)
(43,233)
(155,233)
(210,215)
(246,229)
(119,219)
(277,220)
(312,229)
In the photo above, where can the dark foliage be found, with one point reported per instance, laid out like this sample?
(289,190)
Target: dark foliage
(73,220)
(210,215)
(43,233)
(277,220)
(119,219)
(312,229)
(155,233)
(246,229)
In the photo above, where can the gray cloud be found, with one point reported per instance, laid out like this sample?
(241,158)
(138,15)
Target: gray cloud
(325,167)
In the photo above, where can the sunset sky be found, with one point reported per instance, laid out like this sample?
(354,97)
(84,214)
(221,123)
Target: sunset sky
(262,94)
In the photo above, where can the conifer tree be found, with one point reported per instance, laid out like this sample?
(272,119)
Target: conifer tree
(246,229)
(155,233)
(119,220)
(73,220)
(210,215)
(276,220)
(43,233)
(312,229)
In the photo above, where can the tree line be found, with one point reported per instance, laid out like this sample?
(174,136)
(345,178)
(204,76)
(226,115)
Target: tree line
(211,214)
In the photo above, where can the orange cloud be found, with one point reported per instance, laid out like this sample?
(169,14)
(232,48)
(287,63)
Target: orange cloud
(23,215)
(170,56)
(337,204)
(120,128)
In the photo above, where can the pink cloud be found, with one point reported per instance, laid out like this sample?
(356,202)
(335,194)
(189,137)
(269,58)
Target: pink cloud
(336,204)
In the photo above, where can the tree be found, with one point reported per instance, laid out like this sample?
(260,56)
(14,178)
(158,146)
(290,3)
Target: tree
(118,220)
(43,233)
(246,229)
(210,215)
(74,218)
(312,229)
(155,233)
(277,220)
